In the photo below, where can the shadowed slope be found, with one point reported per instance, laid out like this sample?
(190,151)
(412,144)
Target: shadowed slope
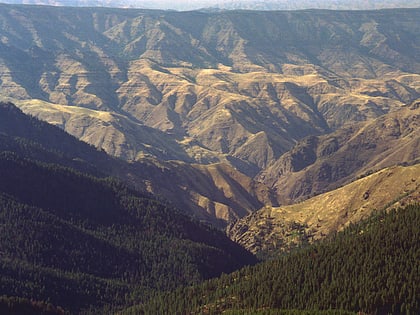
(81,241)
(213,193)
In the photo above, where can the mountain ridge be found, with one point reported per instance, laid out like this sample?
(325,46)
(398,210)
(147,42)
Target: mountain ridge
(321,163)
(203,192)
(271,230)
(310,116)
(239,88)
(212,5)
(82,241)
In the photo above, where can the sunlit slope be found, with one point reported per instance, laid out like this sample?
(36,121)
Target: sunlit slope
(215,193)
(236,86)
(321,163)
(274,229)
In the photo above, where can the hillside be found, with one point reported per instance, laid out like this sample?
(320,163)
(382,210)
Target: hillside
(272,230)
(233,87)
(216,100)
(81,242)
(321,163)
(215,194)
(139,135)
(369,268)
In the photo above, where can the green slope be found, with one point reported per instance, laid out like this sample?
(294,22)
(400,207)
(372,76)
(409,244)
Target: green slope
(371,268)
(21,306)
(83,242)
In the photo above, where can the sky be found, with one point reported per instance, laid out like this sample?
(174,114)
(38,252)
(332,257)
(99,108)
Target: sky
(183,5)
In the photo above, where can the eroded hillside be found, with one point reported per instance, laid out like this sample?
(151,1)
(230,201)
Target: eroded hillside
(229,92)
(224,86)
(321,163)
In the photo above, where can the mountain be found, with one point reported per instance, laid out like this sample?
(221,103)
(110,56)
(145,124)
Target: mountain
(271,230)
(221,97)
(216,194)
(208,114)
(368,268)
(83,242)
(321,163)
(185,5)
(233,87)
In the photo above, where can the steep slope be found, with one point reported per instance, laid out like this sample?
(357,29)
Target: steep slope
(321,163)
(81,242)
(271,230)
(370,268)
(236,87)
(214,193)
(233,89)
(121,136)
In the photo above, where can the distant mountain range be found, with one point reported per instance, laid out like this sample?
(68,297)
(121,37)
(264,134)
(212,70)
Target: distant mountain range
(185,5)
(131,138)
(218,100)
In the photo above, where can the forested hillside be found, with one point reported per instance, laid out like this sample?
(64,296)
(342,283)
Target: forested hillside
(82,242)
(371,267)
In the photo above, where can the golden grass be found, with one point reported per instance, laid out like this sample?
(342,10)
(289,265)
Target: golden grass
(39,106)
(334,210)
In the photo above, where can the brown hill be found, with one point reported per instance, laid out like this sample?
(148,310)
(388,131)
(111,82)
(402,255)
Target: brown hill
(273,229)
(321,163)
(215,193)
(121,136)
(230,91)
(241,86)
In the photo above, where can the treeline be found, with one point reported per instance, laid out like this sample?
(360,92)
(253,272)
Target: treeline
(43,136)
(21,306)
(372,267)
(81,241)
(90,244)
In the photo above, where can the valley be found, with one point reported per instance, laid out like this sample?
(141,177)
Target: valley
(208,162)
(235,89)
(86,242)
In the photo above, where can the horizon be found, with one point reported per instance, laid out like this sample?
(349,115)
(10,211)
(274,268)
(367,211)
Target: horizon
(264,5)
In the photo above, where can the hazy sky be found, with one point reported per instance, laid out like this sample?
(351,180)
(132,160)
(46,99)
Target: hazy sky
(231,4)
